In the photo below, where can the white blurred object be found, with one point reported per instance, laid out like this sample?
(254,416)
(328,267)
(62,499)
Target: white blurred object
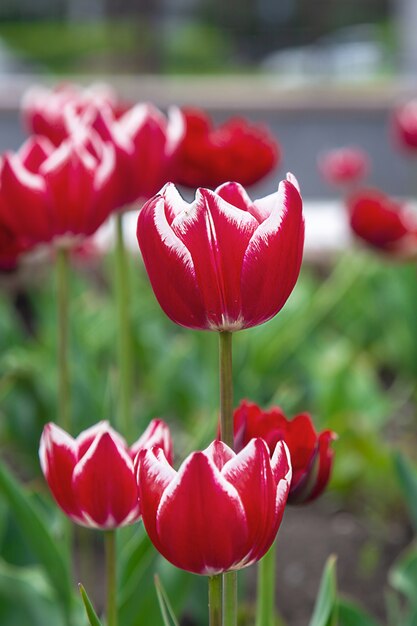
(327,229)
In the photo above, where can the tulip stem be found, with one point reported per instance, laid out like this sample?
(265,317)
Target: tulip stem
(62,275)
(230,599)
(265,608)
(226,434)
(124,335)
(226,388)
(110,548)
(215,600)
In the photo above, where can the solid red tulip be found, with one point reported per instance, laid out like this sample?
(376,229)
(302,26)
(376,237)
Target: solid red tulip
(222,262)
(221,511)
(45,111)
(344,166)
(404,125)
(92,477)
(235,150)
(311,454)
(49,194)
(383,223)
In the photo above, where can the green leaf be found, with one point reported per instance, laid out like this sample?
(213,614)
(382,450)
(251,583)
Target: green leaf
(168,614)
(407,476)
(403,575)
(325,609)
(36,532)
(89,609)
(350,614)
(25,591)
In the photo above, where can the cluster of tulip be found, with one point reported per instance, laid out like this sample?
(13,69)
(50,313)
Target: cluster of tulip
(385,224)
(222,263)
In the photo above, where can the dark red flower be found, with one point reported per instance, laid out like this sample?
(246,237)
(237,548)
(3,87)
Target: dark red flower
(383,223)
(311,454)
(235,150)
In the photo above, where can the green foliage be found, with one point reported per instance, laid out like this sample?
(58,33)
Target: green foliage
(89,609)
(407,476)
(325,609)
(38,536)
(63,46)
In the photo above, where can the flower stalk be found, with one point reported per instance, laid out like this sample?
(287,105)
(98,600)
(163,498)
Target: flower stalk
(226,435)
(62,276)
(215,600)
(265,607)
(123,319)
(111,576)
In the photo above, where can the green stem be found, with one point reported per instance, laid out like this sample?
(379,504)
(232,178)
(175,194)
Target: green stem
(230,599)
(265,608)
(215,600)
(124,335)
(62,274)
(110,547)
(226,434)
(226,388)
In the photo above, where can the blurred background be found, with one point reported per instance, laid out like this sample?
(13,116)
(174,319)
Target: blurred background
(319,74)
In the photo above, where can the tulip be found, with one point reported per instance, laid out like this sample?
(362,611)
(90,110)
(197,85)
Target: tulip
(223,262)
(344,166)
(221,511)
(146,145)
(55,194)
(45,111)
(235,150)
(92,477)
(383,223)
(404,126)
(311,455)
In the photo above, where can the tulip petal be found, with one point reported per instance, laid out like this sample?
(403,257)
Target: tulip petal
(154,474)
(22,189)
(216,235)
(251,474)
(105,485)
(169,266)
(156,434)
(273,258)
(201,522)
(58,458)
(219,453)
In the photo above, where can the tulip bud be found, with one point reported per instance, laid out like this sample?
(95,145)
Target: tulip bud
(223,262)
(383,223)
(92,477)
(344,166)
(235,150)
(221,511)
(311,455)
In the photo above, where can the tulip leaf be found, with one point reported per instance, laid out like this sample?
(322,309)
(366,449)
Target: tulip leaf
(36,532)
(407,476)
(26,597)
(350,614)
(89,609)
(168,614)
(325,609)
(403,575)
